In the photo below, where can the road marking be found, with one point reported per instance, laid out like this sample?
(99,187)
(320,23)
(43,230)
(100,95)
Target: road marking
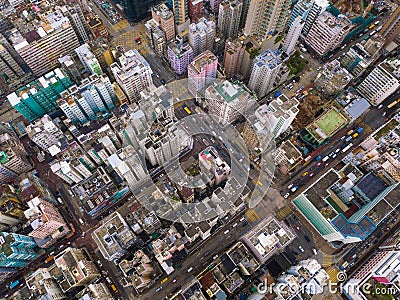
(327,260)
(284,212)
(333,274)
(252,216)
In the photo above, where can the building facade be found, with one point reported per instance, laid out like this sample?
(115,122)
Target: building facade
(201,36)
(292,36)
(233,57)
(229,18)
(202,71)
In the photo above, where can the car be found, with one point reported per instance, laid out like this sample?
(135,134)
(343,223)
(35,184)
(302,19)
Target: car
(312,168)
(99,263)
(304,174)
(245,223)
(226,231)
(293,189)
(334,156)
(301,249)
(307,238)
(109,280)
(286,195)
(387,229)
(83,234)
(282,193)
(337,150)
(242,219)
(319,163)
(158,289)
(81,221)
(190,270)
(297,227)
(380,106)
(384,114)
(296,181)
(327,164)
(295,252)
(311,174)
(162,81)
(215,256)
(314,251)
(175,280)
(290,186)
(234,225)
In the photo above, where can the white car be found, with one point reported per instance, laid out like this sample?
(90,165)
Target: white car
(234,225)
(314,251)
(286,195)
(226,231)
(242,219)
(301,249)
(293,189)
(290,186)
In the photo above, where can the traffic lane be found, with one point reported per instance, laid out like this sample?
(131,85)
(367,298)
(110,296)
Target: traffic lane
(303,240)
(204,253)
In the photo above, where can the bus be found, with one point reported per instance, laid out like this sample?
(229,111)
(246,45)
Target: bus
(347,147)
(187,110)
(14,284)
(393,103)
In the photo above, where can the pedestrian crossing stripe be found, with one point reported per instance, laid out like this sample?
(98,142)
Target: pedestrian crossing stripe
(284,212)
(251,215)
(327,260)
(333,274)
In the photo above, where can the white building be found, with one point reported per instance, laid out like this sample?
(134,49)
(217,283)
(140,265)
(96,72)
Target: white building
(50,42)
(88,59)
(132,73)
(201,36)
(45,134)
(69,173)
(228,100)
(264,71)
(381,82)
(229,18)
(156,37)
(279,114)
(317,7)
(328,32)
(202,71)
(292,36)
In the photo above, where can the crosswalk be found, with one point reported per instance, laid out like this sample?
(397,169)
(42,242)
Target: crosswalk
(333,274)
(327,260)
(284,212)
(366,127)
(252,216)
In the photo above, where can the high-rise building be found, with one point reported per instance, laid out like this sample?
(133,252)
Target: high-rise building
(202,71)
(70,68)
(13,160)
(180,55)
(391,29)
(328,32)
(9,68)
(156,37)
(233,57)
(228,100)
(77,266)
(243,16)
(180,10)
(266,17)
(46,134)
(88,59)
(42,285)
(42,47)
(279,114)
(292,36)
(16,250)
(381,82)
(165,19)
(317,7)
(132,73)
(229,18)
(264,72)
(300,9)
(201,36)
(382,269)
(77,19)
(40,96)
(95,94)
(96,26)
(137,10)
(195,10)
(47,223)
(214,5)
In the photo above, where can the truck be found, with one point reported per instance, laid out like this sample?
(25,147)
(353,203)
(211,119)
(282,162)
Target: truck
(325,158)
(277,94)
(347,147)
(14,284)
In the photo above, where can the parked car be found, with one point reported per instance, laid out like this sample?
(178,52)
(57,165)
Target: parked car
(301,249)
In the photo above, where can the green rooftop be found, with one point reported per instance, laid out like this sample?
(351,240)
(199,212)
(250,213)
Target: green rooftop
(313,215)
